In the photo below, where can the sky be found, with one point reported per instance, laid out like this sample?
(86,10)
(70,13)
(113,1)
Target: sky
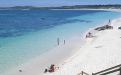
(48,3)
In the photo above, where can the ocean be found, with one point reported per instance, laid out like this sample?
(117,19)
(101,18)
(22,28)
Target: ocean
(27,34)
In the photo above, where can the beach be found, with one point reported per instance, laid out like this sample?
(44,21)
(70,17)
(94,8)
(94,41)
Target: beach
(55,56)
(99,53)
(74,55)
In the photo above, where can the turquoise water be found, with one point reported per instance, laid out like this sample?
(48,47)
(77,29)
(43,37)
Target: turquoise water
(21,42)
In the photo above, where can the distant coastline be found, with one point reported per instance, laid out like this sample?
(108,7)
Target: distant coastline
(62,7)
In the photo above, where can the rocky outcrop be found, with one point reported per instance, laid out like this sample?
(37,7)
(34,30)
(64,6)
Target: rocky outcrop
(119,27)
(104,27)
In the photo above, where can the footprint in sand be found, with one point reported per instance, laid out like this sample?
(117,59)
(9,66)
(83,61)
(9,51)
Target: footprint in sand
(98,47)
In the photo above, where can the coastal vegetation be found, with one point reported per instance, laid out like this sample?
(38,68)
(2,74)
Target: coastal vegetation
(62,7)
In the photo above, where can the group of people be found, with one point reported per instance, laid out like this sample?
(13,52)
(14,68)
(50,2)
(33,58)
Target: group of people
(89,35)
(50,69)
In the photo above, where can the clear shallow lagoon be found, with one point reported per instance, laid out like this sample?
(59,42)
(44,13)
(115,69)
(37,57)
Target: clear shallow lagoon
(26,34)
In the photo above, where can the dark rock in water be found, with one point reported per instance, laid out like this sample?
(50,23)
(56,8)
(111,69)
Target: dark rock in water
(97,28)
(119,27)
(43,18)
(20,70)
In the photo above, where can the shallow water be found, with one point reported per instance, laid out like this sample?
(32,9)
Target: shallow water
(26,35)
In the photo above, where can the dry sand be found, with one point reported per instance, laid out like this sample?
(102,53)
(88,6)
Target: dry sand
(100,52)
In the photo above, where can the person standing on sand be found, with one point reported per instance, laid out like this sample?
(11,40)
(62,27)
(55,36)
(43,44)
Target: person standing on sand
(109,22)
(58,41)
(64,41)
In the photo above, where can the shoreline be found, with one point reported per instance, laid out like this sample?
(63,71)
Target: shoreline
(71,44)
(118,10)
(88,42)
(73,60)
(77,47)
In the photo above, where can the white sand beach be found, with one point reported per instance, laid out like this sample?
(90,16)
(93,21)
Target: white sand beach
(101,52)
